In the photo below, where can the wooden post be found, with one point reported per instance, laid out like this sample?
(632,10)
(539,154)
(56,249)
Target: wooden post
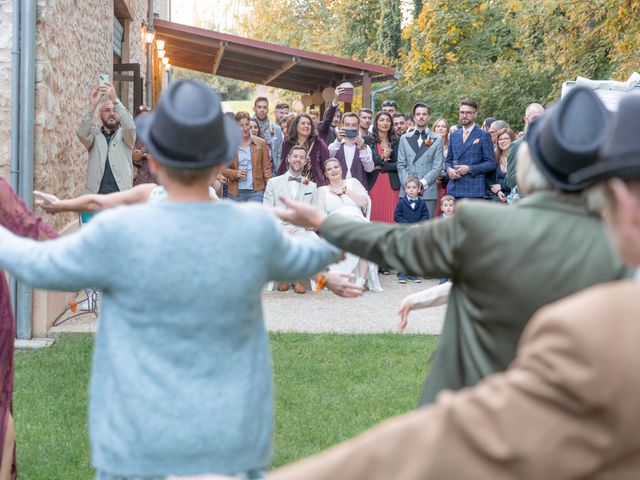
(366,90)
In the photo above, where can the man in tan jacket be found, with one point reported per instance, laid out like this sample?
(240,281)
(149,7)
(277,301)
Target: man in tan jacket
(569,405)
(109,168)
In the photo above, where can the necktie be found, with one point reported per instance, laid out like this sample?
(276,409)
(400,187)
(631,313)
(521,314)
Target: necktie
(295,179)
(465,135)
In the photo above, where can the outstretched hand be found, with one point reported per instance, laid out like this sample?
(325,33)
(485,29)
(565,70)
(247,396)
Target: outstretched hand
(46,201)
(305,216)
(95,97)
(340,284)
(405,308)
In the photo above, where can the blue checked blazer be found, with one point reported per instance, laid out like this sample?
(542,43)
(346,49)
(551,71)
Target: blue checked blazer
(477,152)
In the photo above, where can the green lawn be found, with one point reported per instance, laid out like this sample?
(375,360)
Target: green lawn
(328,388)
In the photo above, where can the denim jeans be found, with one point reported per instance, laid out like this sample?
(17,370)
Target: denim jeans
(248,196)
(252,475)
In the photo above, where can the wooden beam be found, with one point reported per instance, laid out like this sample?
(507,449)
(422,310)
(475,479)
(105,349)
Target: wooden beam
(218,58)
(285,67)
(366,90)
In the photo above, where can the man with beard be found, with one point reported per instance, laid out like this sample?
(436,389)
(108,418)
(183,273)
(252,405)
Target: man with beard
(109,167)
(365,115)
(271,132)
(470,155)
(399,124)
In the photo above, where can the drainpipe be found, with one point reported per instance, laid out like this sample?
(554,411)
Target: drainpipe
(383,89)
(151,8)
(24,299)
(15,121)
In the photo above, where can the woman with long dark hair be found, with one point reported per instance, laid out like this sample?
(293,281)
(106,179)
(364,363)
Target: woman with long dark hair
(384,182)
(302,132)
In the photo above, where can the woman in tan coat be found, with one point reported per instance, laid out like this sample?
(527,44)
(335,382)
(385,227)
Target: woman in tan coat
(249,171)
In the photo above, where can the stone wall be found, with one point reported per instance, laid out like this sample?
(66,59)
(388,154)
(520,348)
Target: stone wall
(5,86)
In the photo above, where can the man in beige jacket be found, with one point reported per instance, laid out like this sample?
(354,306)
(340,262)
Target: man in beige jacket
(109,167)
(569,405)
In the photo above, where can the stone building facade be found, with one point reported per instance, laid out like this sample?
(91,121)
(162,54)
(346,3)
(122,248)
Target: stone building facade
(76,41)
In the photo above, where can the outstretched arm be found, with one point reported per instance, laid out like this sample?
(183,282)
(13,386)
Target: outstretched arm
(94,202)
(429,248)
(431,297)
(16,217)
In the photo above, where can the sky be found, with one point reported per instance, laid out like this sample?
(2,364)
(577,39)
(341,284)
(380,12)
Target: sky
(213,14)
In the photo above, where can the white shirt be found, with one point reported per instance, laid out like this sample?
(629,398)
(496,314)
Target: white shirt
(294,187)
(636,277)
(420,139)
(349,154)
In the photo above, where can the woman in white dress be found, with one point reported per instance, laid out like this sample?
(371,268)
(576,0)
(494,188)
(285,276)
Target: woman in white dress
(348,197)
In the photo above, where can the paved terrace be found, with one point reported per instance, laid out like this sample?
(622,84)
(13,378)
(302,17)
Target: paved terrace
(326,312)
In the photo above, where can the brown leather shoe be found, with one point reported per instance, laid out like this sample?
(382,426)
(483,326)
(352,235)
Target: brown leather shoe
(299,288)
(283,287)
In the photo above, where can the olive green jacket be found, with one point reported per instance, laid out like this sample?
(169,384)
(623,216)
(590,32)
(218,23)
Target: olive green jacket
(505,263)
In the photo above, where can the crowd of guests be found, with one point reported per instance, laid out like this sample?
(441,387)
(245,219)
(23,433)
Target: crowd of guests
(183,384)
(379,154)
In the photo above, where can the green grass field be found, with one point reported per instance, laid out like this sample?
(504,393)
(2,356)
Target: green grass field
(328,388)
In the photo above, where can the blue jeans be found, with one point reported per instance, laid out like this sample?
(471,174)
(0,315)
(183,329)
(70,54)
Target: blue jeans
(252,475)
(248,196)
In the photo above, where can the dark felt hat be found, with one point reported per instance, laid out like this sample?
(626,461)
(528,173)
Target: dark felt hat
(566,138)
(187,129)
(620,152)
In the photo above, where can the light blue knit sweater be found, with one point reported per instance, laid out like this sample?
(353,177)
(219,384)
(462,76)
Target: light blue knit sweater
(181,378)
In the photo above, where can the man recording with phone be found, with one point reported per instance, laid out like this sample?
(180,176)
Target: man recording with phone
(349,148)
(109,167)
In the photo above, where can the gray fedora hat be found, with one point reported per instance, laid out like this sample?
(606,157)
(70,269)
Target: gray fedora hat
(566,138)
(620,152)
(187,129)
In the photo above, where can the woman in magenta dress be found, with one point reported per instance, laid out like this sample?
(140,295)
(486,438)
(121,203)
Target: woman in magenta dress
(16,217)
(384,183)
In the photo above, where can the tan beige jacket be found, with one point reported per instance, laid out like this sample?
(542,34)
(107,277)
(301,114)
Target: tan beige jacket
(567,408)
(261,167)
(119,150)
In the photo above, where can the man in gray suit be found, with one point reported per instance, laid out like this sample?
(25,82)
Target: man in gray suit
(420,155)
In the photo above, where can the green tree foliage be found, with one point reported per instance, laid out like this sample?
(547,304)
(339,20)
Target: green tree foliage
(504,54)
(507,54)
(227,88)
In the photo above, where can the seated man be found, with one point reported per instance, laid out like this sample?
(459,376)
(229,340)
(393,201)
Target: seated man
(354,155)
(295,186)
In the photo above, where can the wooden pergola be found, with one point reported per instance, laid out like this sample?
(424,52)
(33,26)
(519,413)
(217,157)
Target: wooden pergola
(260,62)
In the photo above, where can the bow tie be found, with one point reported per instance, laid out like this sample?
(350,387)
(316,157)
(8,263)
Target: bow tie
(422,134)
(295,179)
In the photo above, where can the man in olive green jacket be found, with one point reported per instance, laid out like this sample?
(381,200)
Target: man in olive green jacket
(505,262)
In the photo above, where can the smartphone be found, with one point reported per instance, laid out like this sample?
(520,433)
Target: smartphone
(103,79)
(350,133)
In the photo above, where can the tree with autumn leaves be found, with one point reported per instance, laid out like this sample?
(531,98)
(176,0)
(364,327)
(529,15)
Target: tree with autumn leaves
(503,53)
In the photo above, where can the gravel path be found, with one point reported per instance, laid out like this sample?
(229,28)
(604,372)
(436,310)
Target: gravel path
(326,312)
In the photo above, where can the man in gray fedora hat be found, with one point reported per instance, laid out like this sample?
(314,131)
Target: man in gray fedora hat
(567,408)
(505,263)
(181,377)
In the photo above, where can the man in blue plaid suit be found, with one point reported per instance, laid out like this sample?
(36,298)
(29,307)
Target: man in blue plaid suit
(470,155)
